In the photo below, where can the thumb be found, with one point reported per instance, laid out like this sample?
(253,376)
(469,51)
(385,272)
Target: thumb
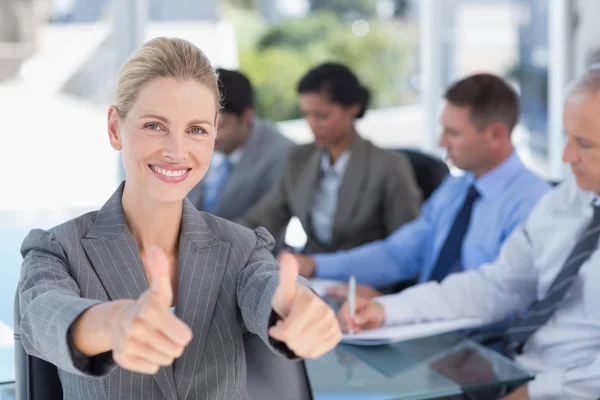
(158,274)
(286,289)
(283,254)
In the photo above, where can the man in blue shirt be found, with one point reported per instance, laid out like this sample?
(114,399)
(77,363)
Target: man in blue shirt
(546,275)
(466,220)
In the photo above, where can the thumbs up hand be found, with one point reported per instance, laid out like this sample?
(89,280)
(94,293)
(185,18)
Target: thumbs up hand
(308,326)
(145,335)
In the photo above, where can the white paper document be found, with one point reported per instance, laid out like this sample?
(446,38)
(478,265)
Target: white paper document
(399,333)
(320,285)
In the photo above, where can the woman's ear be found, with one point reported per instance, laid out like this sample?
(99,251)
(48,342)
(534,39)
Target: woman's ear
(114,135)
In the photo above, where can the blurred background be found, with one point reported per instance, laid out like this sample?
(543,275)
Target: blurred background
(59,60)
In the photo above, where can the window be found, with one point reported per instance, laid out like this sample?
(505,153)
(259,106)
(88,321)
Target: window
(508,38)
(279,40)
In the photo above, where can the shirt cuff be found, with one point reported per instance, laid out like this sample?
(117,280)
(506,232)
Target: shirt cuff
(281,347)
(98,365)
(328,267)
(396,312)
(546,386)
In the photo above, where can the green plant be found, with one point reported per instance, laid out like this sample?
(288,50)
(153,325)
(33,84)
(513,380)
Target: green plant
(280,54)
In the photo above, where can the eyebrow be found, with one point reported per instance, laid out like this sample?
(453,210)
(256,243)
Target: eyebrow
(583,140)
(166,120)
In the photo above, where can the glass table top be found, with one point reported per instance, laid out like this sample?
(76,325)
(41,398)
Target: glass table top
(422,368)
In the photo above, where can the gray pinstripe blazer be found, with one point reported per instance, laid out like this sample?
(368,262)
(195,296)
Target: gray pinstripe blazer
(227,277)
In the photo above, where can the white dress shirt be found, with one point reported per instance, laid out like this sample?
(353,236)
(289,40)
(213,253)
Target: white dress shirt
(325,198)
(565,352)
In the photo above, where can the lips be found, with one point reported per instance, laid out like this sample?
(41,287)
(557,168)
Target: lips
(170,174)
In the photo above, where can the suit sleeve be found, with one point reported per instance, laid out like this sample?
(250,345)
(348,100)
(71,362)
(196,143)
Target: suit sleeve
(49,304)
(402,196)
(277,168)
(272,211)
(256,286)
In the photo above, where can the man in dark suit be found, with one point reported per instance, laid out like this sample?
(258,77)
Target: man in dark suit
(250,153)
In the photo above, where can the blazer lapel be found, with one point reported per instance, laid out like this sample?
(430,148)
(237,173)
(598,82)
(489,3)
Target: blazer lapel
(114,255)
(305,188)
(202,263)
(351,186)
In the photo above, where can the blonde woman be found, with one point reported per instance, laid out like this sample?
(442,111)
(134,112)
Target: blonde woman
(148,297)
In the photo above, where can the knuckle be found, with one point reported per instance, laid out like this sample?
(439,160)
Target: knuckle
(129,334)
(168,361)
(154,368)
(293,345)
(145,313)
(329,313)
(338,336)
(118,357)
(127,349)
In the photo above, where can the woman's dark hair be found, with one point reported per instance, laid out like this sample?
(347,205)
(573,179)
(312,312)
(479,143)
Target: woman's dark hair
(338,83)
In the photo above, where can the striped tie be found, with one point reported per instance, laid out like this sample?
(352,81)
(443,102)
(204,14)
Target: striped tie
(540,311)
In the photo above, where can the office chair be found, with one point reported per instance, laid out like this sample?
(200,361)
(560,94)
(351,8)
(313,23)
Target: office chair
(429,171)
(269,376)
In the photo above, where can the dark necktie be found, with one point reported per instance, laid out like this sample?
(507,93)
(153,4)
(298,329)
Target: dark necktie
(540,311)
(450,252)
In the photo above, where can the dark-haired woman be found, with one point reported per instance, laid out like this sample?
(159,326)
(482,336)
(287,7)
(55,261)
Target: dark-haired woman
(345,191)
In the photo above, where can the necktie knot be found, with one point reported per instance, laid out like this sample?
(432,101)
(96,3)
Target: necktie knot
(472,194)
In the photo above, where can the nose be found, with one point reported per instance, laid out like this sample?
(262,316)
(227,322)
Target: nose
(570,153)
(311,122)
(443,142)
(175,148)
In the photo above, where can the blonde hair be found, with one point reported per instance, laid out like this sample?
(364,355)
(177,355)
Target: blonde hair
(163,58)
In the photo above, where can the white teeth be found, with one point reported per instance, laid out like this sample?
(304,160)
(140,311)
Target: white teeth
(168,173)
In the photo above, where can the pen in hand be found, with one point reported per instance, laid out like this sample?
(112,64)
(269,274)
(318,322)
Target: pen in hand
(352,301)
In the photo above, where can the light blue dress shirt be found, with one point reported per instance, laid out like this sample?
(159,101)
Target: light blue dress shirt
(326,195)
(565,351)
(217,175)
(507,195)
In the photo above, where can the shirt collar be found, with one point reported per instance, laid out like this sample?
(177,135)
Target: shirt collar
(338,167)
(494,182)
(234,158)
(589,198)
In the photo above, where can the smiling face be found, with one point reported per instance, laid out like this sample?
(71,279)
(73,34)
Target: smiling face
(167,138)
